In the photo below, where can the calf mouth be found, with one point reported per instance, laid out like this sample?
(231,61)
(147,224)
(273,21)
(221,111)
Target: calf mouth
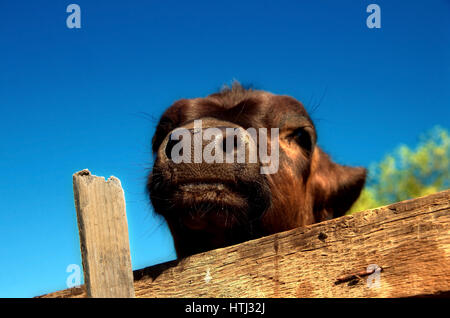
(210,204)
(213,193)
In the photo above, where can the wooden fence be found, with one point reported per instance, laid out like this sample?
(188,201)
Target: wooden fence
(399,250)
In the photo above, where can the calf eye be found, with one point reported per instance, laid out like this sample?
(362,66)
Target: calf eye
(302,138)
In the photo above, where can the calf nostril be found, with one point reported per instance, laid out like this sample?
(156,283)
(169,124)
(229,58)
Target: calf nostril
(170,144)
(229,140)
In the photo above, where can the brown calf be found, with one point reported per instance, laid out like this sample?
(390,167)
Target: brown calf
(211,205)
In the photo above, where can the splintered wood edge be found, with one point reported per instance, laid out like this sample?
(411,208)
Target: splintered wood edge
(408,240)
(86,172)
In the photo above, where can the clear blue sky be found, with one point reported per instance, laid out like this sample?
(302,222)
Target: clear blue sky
(72,99)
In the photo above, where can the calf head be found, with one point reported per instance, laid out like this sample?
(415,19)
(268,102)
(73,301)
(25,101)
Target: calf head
(214,203)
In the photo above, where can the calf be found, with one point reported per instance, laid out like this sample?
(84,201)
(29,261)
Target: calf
(213,204)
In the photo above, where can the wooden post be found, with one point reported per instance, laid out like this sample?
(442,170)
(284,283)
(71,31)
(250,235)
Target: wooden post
(103,229)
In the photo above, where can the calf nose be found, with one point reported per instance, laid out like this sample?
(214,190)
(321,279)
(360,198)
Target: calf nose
(223,143)
(221,140)
(228,142)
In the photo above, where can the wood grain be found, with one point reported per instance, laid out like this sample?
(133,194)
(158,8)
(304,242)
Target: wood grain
(409,241)
(103,230)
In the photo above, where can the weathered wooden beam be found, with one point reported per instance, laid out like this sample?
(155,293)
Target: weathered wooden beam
(103,230)
(409,242)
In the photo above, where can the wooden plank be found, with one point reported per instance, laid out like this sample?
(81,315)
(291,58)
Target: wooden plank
(408,241)
(103,230)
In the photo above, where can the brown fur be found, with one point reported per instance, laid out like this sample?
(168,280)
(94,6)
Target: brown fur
(202,214)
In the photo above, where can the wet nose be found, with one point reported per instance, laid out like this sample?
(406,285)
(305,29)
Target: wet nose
(228,142)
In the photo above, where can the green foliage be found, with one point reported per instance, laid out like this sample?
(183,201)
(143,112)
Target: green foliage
(406,173)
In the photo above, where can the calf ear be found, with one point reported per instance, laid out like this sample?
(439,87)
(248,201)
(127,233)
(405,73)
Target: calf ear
(334,187)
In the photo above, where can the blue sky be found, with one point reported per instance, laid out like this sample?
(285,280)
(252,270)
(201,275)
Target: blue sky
(73,98)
